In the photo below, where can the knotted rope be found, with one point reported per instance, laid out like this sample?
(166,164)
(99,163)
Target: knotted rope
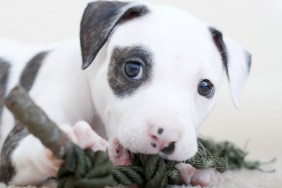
(94,169)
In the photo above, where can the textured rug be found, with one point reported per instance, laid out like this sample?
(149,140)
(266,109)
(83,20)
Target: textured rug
(237,179)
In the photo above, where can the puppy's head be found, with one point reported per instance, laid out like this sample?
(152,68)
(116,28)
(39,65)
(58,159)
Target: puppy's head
(155,72)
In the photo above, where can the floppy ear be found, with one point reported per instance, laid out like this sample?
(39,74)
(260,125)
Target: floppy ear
(237,62)
(98,22)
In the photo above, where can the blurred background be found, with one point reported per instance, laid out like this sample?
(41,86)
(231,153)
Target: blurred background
(255,24)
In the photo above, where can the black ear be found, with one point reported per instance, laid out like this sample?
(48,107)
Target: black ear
(237,62)
(98,22)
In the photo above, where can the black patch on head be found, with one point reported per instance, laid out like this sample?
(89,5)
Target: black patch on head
(18,132)
(99,21)
(219,43)
(31,69)
(120,83)
(4,76)
(15,136)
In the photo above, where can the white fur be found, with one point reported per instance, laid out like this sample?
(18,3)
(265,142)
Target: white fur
(184,54)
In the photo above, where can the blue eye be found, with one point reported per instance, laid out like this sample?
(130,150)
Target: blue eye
(134,70)
(206,89)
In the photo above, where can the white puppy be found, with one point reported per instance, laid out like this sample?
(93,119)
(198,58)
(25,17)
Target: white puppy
(150,78)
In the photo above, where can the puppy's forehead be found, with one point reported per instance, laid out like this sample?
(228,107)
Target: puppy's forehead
(161,25)
(172,35)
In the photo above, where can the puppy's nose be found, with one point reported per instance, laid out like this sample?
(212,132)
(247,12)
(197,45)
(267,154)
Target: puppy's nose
(164,139)
(169,149)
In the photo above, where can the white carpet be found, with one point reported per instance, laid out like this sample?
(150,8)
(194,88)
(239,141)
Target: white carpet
(237,179)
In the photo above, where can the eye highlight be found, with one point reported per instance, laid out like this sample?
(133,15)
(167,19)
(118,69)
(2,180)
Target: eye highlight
(206,89)
(134,70)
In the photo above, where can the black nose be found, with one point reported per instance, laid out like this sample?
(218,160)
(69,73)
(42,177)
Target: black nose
(169,149)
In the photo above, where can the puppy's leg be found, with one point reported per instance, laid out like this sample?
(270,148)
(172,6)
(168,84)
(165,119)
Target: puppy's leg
(34,163)
(202,178)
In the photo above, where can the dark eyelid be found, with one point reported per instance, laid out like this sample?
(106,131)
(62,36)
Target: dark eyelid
(138,53)
(135,59)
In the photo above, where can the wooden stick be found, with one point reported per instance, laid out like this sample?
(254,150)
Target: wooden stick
(37,122)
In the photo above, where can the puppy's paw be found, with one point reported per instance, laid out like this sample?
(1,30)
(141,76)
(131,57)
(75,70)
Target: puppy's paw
(187,172)
(54,163)
(207,177)
(82,135)
(202,178)
(86,137)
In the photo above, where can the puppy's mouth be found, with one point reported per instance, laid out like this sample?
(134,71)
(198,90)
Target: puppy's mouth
(120,155)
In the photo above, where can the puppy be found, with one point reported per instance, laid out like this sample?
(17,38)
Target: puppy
(150,76)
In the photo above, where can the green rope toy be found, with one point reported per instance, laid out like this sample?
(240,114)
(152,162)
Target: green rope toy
(86,168)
